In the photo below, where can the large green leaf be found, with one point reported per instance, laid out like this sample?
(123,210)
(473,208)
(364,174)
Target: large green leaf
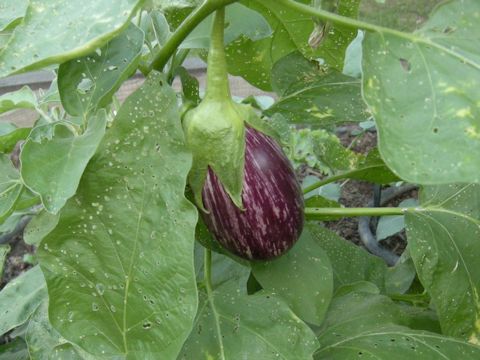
(363,325)
(350,263)
(55,31)
(311,96)
(20,297)
(232,325)
(11,12)
(90,82)
(119,264)
(303,277)
(21,99)
(443,243)
(52,166)
(420,105)
(10,187)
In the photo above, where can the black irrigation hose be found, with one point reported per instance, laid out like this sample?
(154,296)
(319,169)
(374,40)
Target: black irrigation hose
(9,237)
(368,238)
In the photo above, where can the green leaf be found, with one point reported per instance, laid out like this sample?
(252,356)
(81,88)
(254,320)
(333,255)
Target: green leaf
(190,85)
(311,96)
(350,263)
(12,12)
(15,350)
(372,168)
(10,187)
(77,29)
(20,297)
(442,239)
(302,277)
(119,264)
(89,83)
(10,135)
(320,150)
(230,323)
(239,20)
(391,225)
(21,99)
(363,325)
(56,179)
(353,57)
(399,278)
(4,250)
(253,60)
(39,227)
(413,93)
(43,340)
(332,40)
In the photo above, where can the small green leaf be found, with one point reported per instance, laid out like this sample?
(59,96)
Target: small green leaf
(20,297)
(303,277)
(399,278)
(10,135)
(4,250)
(21,99)
(15,350)
(39,227)
(77,29)
(89,83)
(350,263)
(10,187)
(12,12)
(119,265)
(56,180)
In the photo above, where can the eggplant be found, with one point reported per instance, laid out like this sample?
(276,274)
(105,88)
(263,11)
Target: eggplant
(273,209)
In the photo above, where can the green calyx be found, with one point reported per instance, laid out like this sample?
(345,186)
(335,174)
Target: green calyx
(215,130)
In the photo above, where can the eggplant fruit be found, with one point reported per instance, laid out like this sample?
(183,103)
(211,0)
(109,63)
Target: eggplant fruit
(273,209)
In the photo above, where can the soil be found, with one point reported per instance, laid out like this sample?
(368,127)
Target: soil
(15,263)
(359,193)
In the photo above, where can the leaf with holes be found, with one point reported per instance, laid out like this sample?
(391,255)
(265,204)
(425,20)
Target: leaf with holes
(443,242)
(56,179)
(119,264)
(78,29)
(420,105)
(311,96)
(88,83)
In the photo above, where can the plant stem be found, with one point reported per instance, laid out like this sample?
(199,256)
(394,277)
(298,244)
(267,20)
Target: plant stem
(314,213)
(217,80)
(207,264)
(187,26)
(324,182)
(411,298)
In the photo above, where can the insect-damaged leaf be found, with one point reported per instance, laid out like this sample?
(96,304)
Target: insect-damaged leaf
(119,264)
(420,105)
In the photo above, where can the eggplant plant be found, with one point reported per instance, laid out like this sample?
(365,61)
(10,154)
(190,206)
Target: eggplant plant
(179,223)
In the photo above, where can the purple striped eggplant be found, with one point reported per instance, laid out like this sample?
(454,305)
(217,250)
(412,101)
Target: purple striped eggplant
(272,218)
